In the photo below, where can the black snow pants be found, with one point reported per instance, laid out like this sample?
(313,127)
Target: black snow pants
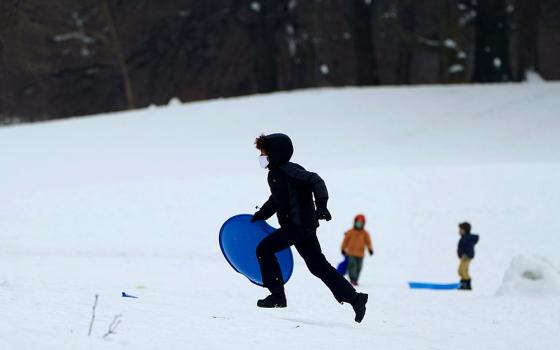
(307,245)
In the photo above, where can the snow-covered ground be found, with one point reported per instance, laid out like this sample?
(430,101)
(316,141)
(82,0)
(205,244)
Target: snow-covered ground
(133,202)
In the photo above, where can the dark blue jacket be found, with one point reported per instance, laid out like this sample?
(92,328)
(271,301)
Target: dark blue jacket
(466,245)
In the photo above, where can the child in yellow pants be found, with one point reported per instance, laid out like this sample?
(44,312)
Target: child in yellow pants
(465,251)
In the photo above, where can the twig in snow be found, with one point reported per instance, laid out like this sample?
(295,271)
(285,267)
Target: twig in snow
(93,314)
(113,326)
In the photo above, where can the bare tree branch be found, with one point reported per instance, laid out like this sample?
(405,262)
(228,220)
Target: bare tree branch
(93,314)
(117,47)
(113,326)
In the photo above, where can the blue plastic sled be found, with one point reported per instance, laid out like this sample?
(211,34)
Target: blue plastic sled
(239,238)
(435,286)
(342,268)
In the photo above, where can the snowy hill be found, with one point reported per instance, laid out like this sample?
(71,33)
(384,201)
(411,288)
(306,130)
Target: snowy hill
(133,202)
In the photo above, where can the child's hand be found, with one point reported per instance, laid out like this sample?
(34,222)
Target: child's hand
(324,214)
(257,217)
(370,252)
(322,211)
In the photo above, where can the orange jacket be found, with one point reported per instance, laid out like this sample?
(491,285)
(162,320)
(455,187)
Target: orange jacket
(355,242)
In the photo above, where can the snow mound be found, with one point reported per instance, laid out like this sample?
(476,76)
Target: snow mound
(531,276)
(533,77)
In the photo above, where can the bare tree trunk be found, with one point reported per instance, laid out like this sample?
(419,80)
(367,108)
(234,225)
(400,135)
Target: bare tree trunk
(453,65)
(492,56)
(366,65)
(447,46)
(117,47)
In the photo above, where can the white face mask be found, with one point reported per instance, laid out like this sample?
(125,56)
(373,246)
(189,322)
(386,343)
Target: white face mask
(263,161)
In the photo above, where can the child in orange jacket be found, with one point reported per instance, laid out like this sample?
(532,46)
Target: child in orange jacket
(355,242)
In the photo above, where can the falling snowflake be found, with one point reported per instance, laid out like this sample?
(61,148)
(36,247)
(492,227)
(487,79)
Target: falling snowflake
(292,4)
(456,68)
(451,44)
(256,6)
(497,63)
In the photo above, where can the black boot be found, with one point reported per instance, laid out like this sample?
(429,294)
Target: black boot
(359,306)
(463,285)
(468,285)
(273,301)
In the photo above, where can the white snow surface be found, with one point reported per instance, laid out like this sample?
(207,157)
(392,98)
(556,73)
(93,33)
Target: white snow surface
(134,201)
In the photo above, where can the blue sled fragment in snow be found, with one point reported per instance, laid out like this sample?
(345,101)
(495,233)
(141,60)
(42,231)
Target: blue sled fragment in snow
(436,286)
(239,238)
(124,295)
(342,268)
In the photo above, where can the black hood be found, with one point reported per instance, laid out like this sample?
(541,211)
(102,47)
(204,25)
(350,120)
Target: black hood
(279,149)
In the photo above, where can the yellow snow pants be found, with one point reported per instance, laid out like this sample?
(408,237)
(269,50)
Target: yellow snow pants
(464,268)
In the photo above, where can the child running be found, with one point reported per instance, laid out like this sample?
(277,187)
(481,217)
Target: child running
(299,199)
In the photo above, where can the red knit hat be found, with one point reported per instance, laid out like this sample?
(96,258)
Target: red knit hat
(360,218)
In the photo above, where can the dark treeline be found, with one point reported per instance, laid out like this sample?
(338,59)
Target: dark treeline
(64,58)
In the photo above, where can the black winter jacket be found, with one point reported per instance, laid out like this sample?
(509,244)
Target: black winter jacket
(292,187)
(466,245)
